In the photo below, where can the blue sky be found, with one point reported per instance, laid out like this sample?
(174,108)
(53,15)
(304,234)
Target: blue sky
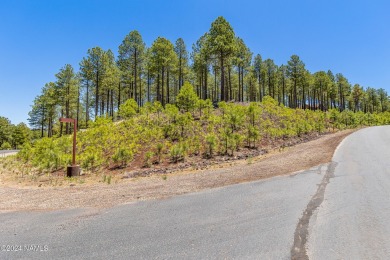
(38,37)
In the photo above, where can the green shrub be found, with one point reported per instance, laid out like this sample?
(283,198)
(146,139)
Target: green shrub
(128,109)
(177,133)
(49,153)
(123,156)
(211,141)
(252,136)
(177,152)
(159,148)
(187,98)
(5,146)
(91,158)
(25,153)
(148,159)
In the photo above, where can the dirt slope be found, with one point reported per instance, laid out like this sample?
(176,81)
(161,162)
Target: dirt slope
(290,160)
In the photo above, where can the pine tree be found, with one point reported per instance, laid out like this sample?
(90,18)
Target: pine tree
(130,61)
(295,70)
(163,59)
(182,66)
(67,89)
(221,42)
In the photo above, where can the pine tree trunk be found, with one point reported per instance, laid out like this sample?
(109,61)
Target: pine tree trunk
(230,84)
(112,104)
(260,96)
(283,91)
(205,96)
(223,94)
(97,95)
(269,85)
(158,88)
(140,90)
(201,85)
(180,73)
(135,76)
(242,84)
(295,94)
(215,85)
(148,86)
(87,106)
(61,124)
(168,85)
(162,87)
(263,86)
(119,95)
(78,106)
(108,102)
(239,85)
(43,121)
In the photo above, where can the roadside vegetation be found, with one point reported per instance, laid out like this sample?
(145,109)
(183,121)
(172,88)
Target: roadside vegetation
(151,108)
(155,137)
(13,136)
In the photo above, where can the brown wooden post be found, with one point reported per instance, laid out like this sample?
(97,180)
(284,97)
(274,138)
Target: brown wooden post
(73,170)
(74,142)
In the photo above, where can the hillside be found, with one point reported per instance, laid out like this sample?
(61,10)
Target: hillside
(156,140)
(71,193)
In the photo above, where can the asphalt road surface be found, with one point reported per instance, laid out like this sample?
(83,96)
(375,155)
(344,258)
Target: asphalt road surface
(4,153)
(353,221)
(334,211)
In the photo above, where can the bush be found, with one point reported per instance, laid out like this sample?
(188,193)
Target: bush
(48,153)
(148,159)
(159,148)
(128,109)
(25,153)
(176,133)
(252,136)
(178,152)
(187,98)
(90,161)
(5,146)
(123,156)
(211,141)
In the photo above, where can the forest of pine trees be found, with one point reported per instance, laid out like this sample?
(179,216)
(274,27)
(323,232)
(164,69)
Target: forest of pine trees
(220,67)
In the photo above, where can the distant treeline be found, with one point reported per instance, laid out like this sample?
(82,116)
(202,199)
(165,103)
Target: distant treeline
(13,136)
(220,67)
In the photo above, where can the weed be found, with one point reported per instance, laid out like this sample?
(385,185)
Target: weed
(148,159)
(159,151)
(71,179)
(250,160)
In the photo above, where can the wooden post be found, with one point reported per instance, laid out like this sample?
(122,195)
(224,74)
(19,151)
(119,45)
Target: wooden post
(73,170)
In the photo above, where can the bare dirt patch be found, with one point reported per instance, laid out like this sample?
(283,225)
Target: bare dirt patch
(100,195)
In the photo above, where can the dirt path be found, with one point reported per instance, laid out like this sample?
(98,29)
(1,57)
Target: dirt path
(290,160)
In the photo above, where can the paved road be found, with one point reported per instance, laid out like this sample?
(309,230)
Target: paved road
(241,221)
(353,222)
(5,153)
(334,211)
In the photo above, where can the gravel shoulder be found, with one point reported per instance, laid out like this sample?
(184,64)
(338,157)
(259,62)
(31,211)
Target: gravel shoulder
(288,161)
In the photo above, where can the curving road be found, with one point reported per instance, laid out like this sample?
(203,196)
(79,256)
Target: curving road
(353,221)
(334,211)
(5,153)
